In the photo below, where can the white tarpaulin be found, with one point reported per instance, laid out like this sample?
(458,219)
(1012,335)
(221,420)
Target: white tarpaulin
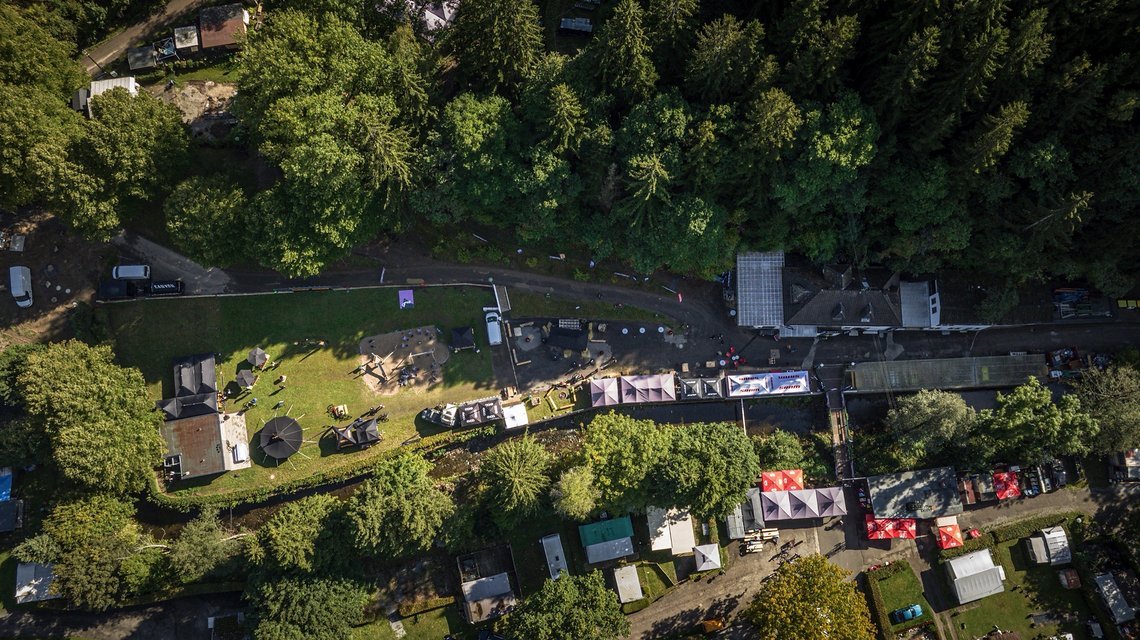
(768,384)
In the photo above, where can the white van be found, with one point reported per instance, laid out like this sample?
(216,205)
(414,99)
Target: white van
(131,272)
(20,279)
(494,331)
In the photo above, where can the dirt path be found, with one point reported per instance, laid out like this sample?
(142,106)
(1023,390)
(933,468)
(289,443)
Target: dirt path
(108,50)
(180,619)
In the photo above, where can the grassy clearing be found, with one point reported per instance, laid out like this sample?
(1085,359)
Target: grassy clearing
(149,334)
(1038,591)
(902,590)
(223,70)
(429,625)
(527,304)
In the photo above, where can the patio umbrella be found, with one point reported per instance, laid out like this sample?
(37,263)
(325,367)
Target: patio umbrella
(907,528)
(257,357)
(246,378)
(1006,486)
(281,437)
(874,530)
(949,536)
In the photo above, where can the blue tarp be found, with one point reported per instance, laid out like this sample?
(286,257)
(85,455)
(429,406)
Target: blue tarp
(5,483)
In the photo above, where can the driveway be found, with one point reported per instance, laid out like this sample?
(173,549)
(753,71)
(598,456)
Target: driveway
(110,49)
(169,265)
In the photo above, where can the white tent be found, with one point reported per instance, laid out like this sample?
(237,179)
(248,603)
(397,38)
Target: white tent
(514,416)
(803,503)
(604,392)
(777,505)
(831,502)
(672,530)
(707,556)
(768,384)
(628,584)
(975,576)
(654,388)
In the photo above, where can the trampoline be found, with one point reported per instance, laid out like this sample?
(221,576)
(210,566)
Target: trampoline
(281,437)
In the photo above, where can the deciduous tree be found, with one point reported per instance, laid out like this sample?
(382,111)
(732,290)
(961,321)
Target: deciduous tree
(1028,426)
(307,607)
(1112,397)
(576,494)
(778,450)
(579,607)
(930,427)
(206,217)
(399,511)
(810,598)
(101,422)
(625,454)
(710,467)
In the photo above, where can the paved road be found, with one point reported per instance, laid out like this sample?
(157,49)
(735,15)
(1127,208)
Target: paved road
(181,619)
(108,50)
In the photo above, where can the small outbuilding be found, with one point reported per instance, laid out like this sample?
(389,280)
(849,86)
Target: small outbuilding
(462,338)
(628,584)
(515,416)
(487,598)
(141,58)
(1049,546)
(1114,599)
(223,26)
(747,516)
(186,39)
(33,582)
(671,529)
(975,576)
(555,555)
(607,540)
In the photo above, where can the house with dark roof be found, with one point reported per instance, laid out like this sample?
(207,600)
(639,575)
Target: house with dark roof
(925,493)
(222,26)
(803,301)
(200,440)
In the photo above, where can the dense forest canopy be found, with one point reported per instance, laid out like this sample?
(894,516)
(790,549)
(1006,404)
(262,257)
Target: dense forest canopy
(997,137)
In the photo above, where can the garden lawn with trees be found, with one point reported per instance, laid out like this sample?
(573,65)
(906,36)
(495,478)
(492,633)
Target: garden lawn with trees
(150,334)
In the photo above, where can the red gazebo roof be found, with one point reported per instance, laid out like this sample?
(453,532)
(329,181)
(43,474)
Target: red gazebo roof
(949,536)
(787,480)
(1006,485)
(886,528)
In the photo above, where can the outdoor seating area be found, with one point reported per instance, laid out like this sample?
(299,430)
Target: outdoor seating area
(295,356)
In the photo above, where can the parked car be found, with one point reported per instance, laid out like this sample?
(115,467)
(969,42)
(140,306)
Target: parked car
(494,330)
(131,272)
(913,612)
(118,290)
(20,283)
(167,288)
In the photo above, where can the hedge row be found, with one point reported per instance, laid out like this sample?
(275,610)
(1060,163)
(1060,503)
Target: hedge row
(880,612)
(878,607)
(984,541)
(635,606)
(420,606)
(360,468)
(1026,528)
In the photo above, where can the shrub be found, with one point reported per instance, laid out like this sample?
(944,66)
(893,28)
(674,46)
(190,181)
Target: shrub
(581,275)
(532,262)
(408,610)
(878,607)
(1026,528)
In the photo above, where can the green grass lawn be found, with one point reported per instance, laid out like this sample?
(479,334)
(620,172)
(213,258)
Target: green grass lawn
(527,304)
(150,334)
(222,71)
(530,559)
(429,625)
(1011,609)
(902,590)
